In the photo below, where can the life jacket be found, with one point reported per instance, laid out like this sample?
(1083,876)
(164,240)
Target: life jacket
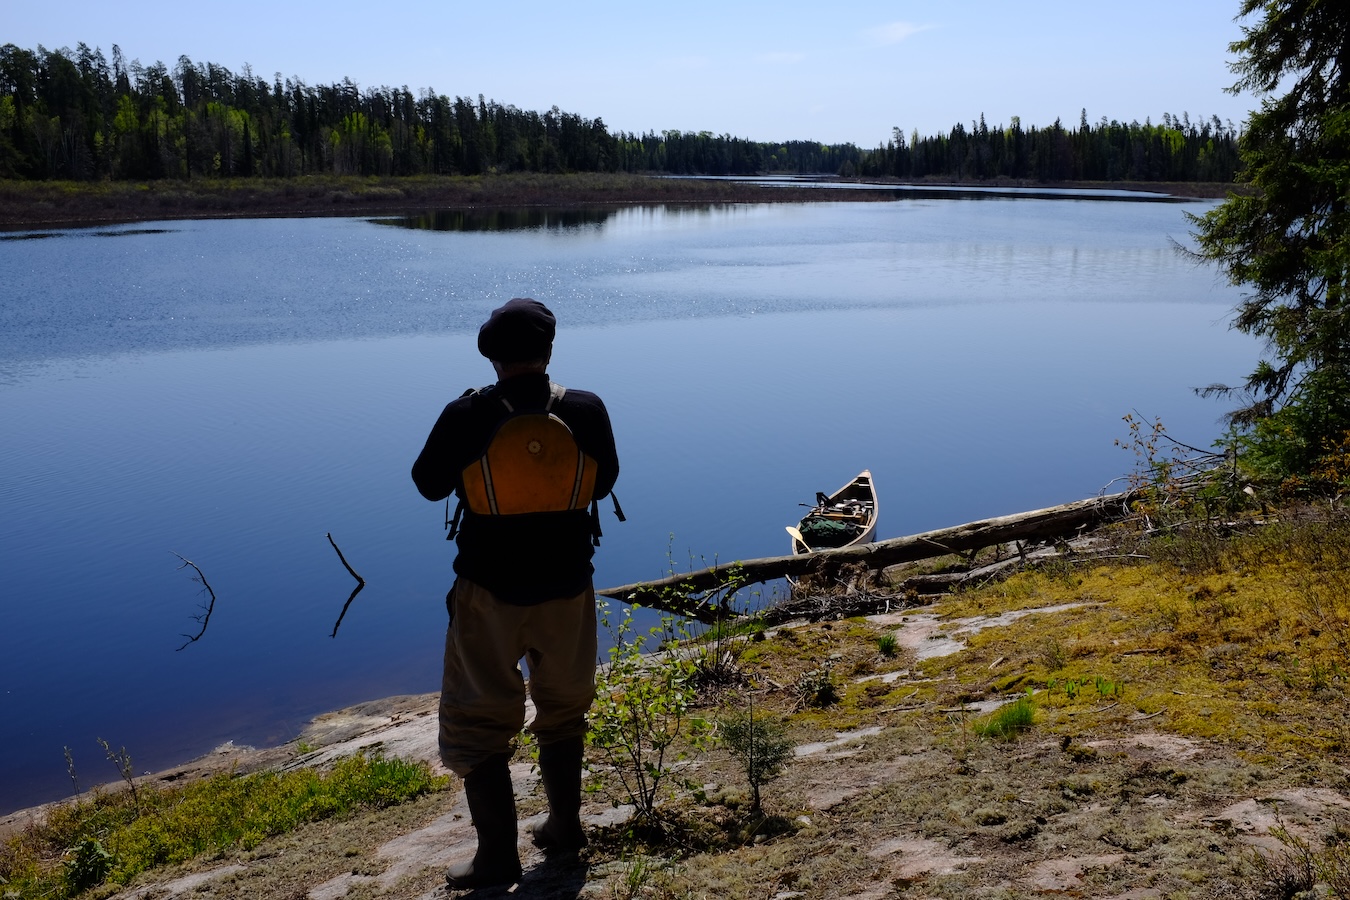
(532,464)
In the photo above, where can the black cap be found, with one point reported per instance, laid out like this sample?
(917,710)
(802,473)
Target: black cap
(518,331)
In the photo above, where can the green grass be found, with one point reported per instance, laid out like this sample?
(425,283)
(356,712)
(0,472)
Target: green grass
(113,836)
(1009,721)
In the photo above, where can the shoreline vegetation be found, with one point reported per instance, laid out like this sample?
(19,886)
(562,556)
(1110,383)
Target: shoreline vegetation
(77,114)
(34,205)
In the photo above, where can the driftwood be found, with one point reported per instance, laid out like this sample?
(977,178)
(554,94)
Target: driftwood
(678,593)
(942,582)
(853,601)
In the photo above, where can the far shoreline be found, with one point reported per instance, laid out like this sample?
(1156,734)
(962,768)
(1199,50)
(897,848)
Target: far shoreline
(39,205)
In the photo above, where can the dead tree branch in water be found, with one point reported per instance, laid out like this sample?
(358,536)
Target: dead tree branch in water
(205,617)
(360,583)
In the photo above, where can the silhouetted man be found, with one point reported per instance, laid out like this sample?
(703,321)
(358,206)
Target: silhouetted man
(527,460)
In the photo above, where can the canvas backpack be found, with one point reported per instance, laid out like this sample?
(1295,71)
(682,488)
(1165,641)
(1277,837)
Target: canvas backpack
(532,464)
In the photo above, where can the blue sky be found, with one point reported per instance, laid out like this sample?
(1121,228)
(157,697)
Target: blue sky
(770,72)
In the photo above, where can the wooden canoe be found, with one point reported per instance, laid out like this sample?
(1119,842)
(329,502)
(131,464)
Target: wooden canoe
(842,519)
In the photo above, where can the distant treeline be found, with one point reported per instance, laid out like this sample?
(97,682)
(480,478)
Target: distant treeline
(76,115)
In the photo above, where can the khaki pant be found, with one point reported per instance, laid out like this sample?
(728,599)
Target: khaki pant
(482,688)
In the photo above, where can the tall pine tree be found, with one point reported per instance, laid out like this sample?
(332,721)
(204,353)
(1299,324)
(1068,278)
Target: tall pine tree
(1288,240)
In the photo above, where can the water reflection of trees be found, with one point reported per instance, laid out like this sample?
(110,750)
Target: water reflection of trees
(501,219)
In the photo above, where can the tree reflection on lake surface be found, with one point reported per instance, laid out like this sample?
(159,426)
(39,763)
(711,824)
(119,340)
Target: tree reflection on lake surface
(499,219)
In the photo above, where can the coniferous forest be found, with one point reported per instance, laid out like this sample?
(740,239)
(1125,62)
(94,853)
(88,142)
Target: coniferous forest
(78,115)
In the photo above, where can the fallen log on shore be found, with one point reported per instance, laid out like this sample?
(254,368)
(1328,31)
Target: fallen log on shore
(679,594)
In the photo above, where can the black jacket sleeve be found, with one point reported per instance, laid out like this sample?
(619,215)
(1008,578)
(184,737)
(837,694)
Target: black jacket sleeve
(591,427)
(436,469)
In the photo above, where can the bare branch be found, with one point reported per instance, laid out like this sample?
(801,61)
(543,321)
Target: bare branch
(205,617)
(360,583)
(345,564)
(338,624)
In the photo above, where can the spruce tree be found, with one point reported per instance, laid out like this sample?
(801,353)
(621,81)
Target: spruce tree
(1288,239)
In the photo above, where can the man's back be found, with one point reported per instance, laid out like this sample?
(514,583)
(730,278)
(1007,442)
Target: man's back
(531,557)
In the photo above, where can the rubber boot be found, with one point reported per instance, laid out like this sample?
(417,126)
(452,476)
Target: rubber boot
(492,806)
(560,770)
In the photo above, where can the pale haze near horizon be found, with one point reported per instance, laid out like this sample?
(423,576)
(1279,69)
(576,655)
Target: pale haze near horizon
(768,72)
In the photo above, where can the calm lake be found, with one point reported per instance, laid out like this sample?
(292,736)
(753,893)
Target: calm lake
(233,391)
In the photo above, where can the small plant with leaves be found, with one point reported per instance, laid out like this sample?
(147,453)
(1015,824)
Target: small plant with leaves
(1053,655)
(122,760)
(643,704)
(816,688)
(887,645)
(1170,476)
(717,655)
(1108,688)
(719,649)
(70,771)
(1072,686)
(86,865)
(633,878)
(760,745)
(1155,474)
